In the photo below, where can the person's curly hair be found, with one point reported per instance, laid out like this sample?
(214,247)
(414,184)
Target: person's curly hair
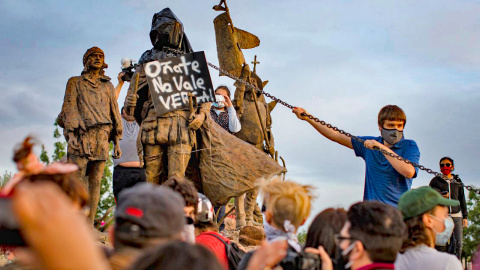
(416,233)
(24,149)
(186,188)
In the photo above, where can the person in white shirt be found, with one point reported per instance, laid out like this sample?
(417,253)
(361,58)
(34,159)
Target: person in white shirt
(426,214)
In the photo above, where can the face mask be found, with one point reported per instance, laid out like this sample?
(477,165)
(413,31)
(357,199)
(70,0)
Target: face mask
(218,105)
(392,136)
(442,238)
(446,170)
(189,233)
(345,257)
(340,261)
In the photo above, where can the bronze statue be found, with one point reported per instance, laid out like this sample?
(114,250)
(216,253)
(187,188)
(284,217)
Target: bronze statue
(165,141)
(188,142)
(249,103)
(256,121)
(90,119)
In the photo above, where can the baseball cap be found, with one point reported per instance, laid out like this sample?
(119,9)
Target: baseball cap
(420,200)
(150,211)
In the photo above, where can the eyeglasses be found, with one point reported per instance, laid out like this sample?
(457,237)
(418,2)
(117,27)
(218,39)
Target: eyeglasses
(338,239)
(445,165)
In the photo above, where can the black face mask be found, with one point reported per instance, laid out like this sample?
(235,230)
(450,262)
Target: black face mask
(167,34)
(340,260)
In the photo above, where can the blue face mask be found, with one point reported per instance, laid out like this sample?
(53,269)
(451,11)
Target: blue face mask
(218,104)
(442,238)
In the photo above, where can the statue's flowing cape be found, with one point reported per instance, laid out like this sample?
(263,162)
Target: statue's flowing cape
(229,166)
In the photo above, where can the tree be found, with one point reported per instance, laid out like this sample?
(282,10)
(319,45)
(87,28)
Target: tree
(106,195)
(4,178)
(302,236)
(59,147)
(471,234)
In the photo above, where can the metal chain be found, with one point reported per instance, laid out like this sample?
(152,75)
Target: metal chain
(311,117)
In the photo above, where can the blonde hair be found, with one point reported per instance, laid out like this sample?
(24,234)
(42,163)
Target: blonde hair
(287,200)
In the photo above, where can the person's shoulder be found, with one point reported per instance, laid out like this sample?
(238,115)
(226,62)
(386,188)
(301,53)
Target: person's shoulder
(436,179)
(410,143)
(453,263)
(106,79)
(450,261)
(210,236)
(376,138)
(74,79)
(443,257)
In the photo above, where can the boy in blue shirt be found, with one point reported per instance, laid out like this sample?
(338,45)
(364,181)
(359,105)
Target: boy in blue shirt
(386,178)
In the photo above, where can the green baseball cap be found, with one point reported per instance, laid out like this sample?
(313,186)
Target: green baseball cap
(420,200)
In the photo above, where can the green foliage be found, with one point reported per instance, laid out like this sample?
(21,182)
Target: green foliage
(4,178)
(60,146)
(44,156)
(302,236)
(471,234)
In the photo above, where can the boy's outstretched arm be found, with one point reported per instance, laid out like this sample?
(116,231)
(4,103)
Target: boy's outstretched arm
(325,131)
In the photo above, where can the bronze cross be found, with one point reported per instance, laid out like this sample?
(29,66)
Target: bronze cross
(255,64)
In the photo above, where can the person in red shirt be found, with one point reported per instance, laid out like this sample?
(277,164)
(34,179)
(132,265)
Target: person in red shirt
(206,231)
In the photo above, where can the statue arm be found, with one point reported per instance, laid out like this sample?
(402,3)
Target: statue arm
(200,116)
(117,129)
(70,118)
(204,109)
(238,98)
(240,91)
(131,98)
(115,115)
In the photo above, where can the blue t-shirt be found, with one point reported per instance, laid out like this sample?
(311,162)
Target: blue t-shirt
(382,182)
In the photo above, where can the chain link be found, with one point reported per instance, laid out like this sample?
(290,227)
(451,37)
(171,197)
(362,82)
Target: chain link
(311,117)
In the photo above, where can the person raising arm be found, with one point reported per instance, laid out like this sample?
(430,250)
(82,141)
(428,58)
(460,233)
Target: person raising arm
(387,178)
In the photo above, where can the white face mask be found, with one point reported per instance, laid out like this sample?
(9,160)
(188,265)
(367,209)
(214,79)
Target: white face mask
(346,255)
(442,238)
(189,233)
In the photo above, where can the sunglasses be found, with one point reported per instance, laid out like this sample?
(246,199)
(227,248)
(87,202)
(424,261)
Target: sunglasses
(338,239)
(445,165)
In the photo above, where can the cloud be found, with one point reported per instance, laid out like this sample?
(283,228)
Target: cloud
(341,60)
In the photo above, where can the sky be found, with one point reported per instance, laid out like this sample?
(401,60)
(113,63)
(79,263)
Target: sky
(341,60)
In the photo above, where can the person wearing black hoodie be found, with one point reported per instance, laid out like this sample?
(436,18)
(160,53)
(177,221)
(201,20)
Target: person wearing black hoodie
(451,187)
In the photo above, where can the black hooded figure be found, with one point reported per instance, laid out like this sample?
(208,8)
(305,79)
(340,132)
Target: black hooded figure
(167,31)
(165,141)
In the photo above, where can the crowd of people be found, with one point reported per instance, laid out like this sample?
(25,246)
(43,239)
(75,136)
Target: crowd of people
(167,224)
(172,226)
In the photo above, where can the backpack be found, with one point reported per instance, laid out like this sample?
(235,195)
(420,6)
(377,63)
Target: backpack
(234,253)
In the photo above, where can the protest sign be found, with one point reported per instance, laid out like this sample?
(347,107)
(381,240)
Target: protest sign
(170,80)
